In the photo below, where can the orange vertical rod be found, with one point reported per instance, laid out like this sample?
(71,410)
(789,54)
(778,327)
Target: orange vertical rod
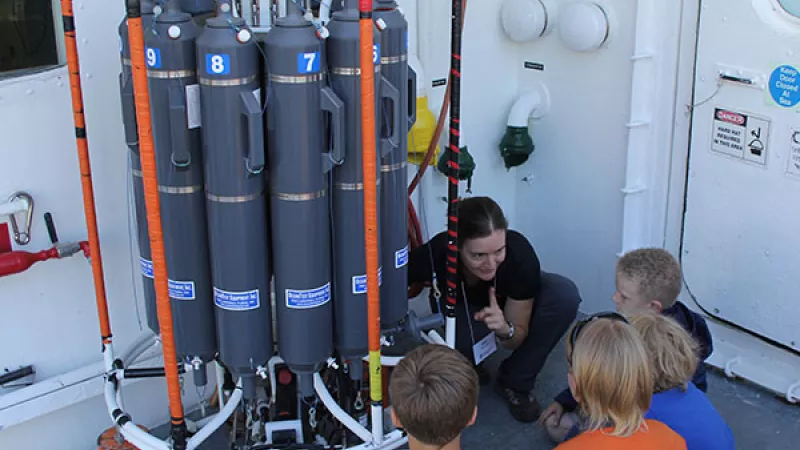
(148,158)
(370,198)
(86,171)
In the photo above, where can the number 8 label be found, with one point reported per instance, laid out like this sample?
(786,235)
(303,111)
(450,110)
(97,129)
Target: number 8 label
(218,64)
(153,57)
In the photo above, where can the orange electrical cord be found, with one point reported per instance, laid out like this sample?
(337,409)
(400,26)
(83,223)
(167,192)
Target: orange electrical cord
(147,154)
(370,197)
(86,170)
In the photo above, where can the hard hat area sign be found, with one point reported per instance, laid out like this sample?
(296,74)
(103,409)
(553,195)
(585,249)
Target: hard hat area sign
(218,63)
(308,62)
(740,135)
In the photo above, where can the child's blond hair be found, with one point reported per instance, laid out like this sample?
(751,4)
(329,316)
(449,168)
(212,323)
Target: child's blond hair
(434,393)
(672,352)
(612,376)
(656,273)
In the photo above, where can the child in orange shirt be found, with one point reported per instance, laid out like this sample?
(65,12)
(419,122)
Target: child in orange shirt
(610,377)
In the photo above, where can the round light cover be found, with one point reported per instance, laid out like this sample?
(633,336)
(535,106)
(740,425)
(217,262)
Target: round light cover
(523,20)
(583,27)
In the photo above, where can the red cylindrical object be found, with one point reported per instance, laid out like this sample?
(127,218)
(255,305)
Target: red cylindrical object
(16,262)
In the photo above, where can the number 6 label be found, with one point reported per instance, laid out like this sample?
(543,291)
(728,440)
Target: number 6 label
(376,53)
(308,62)
(153,57)
(218,64)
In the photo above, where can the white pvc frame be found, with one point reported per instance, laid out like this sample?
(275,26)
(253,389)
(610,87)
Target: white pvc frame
(373,439)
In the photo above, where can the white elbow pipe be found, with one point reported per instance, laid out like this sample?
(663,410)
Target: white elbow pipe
(337,411)
(129,430)
(415,64)
(532,104)
(218,419)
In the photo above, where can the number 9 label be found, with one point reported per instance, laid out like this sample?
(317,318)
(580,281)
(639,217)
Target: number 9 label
(153,57)
(218,64)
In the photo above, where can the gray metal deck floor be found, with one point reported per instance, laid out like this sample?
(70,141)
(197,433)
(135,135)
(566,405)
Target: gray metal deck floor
(759,419)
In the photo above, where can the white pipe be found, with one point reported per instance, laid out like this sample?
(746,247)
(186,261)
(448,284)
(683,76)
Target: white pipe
(247,12)
(15,206)
(532,104)
(416,64)
(273,383)
(325,11)
(646,149)
(138,347)
(377,423)
(130,431)
(393,440)
(283,7)
(220,382)
(450,332)
(436,338)
(11,403)
(339,413)
(217,420)
(265,14)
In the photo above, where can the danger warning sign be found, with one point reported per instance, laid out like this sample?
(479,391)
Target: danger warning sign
(740,135)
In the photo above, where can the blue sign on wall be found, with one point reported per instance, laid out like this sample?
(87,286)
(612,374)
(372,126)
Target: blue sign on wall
(784,86)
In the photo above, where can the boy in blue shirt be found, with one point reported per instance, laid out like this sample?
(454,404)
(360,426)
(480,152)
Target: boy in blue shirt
(647,279)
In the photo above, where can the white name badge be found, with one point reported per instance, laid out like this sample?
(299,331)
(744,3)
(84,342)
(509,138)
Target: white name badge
(484,348)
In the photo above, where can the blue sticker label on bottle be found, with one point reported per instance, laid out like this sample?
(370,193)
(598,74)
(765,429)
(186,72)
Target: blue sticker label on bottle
(308,298)
(146,267)
(181,290)
(784,86)
(152,57)
(237,301)
(360,282)
(218,63)
(376,54)
(401,257)
(308,62)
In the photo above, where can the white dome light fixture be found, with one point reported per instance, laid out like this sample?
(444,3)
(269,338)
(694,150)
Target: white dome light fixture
(523,20)
(583,27)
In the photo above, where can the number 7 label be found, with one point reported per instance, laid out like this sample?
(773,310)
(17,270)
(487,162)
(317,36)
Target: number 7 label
(308,62)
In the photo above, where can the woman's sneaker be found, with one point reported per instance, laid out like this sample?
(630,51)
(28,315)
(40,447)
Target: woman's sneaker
(522,405)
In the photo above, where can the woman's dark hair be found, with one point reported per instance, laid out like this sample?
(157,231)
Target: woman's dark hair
(479,217)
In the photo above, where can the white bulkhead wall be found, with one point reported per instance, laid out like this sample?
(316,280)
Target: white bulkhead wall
(49,316)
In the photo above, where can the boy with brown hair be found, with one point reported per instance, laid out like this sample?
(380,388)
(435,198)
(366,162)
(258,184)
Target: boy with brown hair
(647,279)
(434,395)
